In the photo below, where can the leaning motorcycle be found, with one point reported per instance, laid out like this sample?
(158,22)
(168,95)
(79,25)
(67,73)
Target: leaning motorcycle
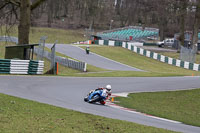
(97,96)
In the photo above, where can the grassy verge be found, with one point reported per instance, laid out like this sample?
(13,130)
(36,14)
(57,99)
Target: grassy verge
(65,71)
(63,36)
(93,71)
(181,106)
(125,74)
(62,69)
(153,67)
(19,115)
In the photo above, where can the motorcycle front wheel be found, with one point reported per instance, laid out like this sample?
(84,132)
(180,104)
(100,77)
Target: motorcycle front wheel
(85,99)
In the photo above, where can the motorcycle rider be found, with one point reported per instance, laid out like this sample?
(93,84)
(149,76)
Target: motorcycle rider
(108,89)
(87,50)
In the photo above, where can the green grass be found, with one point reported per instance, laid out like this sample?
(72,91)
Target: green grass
(90,68)
(93,71)
(63,36)
(154,68)
(20,115)
(65,71)
(125,74)
(62,69)
(183,106)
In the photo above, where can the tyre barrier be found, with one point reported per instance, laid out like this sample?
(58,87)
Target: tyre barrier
(21,67)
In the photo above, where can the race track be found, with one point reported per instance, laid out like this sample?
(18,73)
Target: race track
(92,59)
(68,92)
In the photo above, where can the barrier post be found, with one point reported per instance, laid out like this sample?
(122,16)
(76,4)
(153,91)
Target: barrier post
(56,68)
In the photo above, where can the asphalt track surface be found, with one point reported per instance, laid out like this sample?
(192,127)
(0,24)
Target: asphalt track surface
(92,59)
(68,92)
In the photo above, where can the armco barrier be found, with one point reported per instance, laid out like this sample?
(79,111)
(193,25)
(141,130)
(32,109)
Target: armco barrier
(64,61)
(21,67)
(153,55)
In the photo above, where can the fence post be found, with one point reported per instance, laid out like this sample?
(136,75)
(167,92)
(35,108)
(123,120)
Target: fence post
(53,53)
(41,47)
(56,68)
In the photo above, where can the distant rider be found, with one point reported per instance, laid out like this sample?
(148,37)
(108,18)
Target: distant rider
(87,50)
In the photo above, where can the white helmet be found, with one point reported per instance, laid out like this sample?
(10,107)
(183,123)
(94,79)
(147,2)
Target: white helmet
(108,87)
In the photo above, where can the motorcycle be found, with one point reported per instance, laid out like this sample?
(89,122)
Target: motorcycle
(99,95)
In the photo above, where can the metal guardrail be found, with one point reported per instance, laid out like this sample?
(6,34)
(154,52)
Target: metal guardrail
(63,61)
(21,67)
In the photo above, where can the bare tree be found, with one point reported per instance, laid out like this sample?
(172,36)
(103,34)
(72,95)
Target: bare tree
(167,15)
(25,6)
(196,23)
(182,12)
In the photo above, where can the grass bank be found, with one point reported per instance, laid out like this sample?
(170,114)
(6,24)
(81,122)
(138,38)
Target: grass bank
(154,68)
(183,106)
(19,115)
(63,36)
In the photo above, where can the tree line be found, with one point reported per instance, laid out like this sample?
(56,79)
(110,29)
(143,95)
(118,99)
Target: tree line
(170,16)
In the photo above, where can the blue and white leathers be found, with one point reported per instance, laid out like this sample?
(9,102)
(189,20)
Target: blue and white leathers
(102,93)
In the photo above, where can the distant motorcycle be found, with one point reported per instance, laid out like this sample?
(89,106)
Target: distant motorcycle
(99,95)
(87,50)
